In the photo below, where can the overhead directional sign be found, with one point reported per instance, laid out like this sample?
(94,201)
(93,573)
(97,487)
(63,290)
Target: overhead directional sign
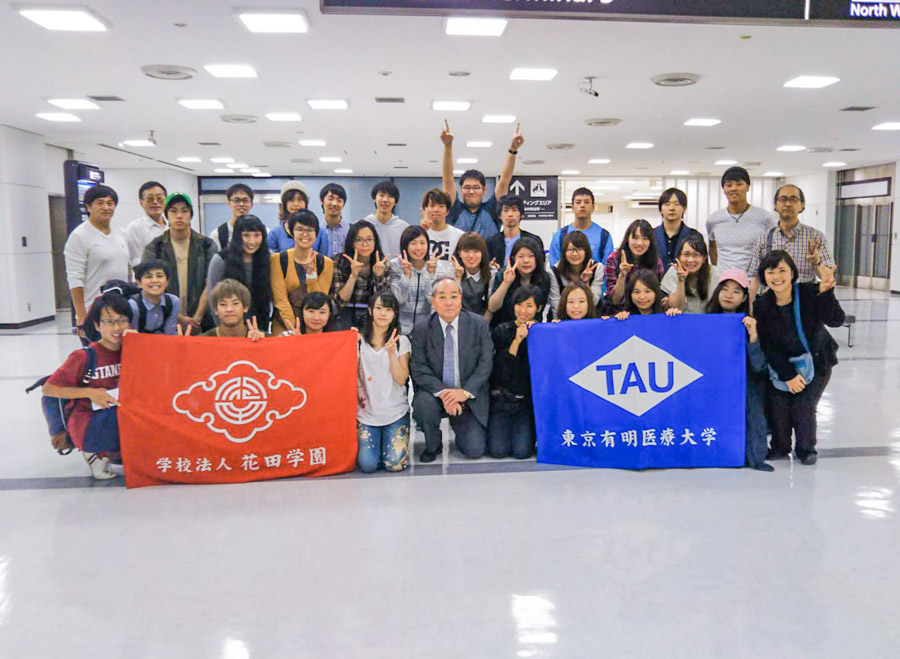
(540,194)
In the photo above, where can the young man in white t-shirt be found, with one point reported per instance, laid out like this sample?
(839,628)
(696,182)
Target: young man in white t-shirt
(95,252)
(441,236)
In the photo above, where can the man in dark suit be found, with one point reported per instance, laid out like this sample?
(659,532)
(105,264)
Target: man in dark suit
(452,358)
(499,245)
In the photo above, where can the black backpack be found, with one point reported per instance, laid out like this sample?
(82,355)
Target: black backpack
(223,235)
(124,288)
(301,273)
(142,314)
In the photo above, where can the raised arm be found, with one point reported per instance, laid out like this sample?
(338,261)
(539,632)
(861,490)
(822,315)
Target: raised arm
(448,183)
(508,165)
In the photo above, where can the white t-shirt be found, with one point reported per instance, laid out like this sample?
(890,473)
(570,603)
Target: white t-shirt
(93,257)
(735,238)
(139,234)
(386,402)
(692,303)
(445,240)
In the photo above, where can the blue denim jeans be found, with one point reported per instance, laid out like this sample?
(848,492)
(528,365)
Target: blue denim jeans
(383,445)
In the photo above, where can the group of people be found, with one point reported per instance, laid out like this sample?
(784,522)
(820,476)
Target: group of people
(449,301)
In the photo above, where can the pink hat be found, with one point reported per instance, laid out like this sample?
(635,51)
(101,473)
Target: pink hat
(737,275)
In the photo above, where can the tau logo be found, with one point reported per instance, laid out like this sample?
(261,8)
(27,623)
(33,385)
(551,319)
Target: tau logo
(636,376)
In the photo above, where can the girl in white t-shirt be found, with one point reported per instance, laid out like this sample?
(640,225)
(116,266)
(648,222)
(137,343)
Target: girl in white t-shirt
(383,413)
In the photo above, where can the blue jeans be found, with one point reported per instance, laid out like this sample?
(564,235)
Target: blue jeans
(387,445)
(510,428)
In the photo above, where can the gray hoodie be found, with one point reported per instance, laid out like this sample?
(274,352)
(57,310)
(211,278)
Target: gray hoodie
(388,233)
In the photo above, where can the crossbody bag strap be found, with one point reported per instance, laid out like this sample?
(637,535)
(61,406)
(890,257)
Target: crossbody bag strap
(797,318)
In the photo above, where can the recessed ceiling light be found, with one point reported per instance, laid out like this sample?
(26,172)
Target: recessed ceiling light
(202,103)
(599,161)
(261,175)
(542,75)
(221,160)
(774,174)
(811,82)
(238,165)
(330,159)
(791,147)
(230,70)
(479,145)
(570,172)
(311,142)
(283,116)
(137,143)
(466,161)
(223,171)
(190,159)
(250,170)
(66,20)
(457,172)
(702,122)
(679,172)
(57,116)
(834,163)
(498,119)
(639,145)
(450,106)
(328,104)
(74,104)
(475,27)
(274,23)
(890,125)
(726,163)
(343,171)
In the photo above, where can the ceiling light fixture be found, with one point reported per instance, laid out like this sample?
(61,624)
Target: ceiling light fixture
(311,142)
(479,145)
(230,70)
(540,75)
(57,116)
(570,172)
(66,20)
(498,119)
(283,116)
(890,125)
(221,160)
(330,159)
(223,171)
(726,163)
(791,147)
(238,165)
(250,170)
(262,175)
(73,104)
(190,159)
(599,161)
(328,104)
(834,163)
(450,106)
(466,161)
(202,103)
(811,82)
(679,172)
(274,22)
(343,171)
(138,143)
(458,172)
(474,27)
(639,145)
(702,122)
(774,174)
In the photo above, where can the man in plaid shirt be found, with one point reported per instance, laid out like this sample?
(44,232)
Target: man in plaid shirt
(805,244)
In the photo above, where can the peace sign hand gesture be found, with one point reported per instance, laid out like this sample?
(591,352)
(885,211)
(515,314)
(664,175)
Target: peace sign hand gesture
(310,263)
(509,274)
(406,265)
(588,273)
(446,135)
(813,256)
(391,344)
(431,264)
(253,332)
(682,273)
(356,265)
(179,331)
(517,140)
(624,266)
(458,269)
(380,264)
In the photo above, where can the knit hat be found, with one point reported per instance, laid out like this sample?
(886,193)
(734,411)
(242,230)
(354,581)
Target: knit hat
(737,275)
(176,197)
(295,185)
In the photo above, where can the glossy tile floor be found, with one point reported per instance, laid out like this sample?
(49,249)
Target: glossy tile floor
(520,561)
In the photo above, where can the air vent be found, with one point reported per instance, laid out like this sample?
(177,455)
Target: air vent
(106,99)
(858,108)
(845,150)
(750,164)
(675,79)
(168,72)
(278,145)
(209,143)
(560,146)
(396,143)
(532,162)
(714,148)
(390,99)
(460,74)
(239,118)
(400,167)
(302,161)
(820,149)
(601,123)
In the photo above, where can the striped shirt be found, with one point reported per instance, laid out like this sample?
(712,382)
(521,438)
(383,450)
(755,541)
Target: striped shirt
(797,245)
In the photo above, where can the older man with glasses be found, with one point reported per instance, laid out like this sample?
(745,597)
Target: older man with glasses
(152,224)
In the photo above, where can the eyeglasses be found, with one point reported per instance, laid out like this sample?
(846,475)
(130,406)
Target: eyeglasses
(574,250)
(115,322)
(241,200)
(784,200)
(305,231)
(364,241)
(160,198)
(471,188)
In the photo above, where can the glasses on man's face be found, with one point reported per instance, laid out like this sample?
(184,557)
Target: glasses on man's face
(305,231)
(471,188)
(242,201)
(364,241)
(115,322)
(574,250)
(157,198)
(784,200)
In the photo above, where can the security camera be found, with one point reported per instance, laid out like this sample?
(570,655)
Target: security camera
(586,86)
(590,92)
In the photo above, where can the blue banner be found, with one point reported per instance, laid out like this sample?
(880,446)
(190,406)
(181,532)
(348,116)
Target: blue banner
(648,392)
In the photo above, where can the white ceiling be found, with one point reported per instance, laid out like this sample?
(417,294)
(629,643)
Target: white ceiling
(741,84)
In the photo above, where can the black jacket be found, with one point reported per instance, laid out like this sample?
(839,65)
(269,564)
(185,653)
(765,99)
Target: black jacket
(816,311)
(510,374)
(496,245)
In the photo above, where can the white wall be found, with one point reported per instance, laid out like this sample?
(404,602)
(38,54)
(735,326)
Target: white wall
(895,236)
(821,201)
(54,175)
(26,269)
(127,182)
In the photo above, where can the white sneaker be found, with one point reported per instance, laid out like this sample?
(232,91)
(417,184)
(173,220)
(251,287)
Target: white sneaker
(99,466)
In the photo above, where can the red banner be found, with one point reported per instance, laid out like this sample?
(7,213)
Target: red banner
(219,410)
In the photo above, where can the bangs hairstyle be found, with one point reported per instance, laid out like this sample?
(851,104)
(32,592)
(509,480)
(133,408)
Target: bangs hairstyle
(230,288)
(142,269)
(475,241)
(511,201)
(527,291)
(649,279)
(355,228)
(474,175)
(99,191)
(772,259)
(583,192)
(317,300)
(647,259)
(713,305)
(333,188)
(239,187)
(290,195)
(389,300)
(697,284)
(305,217)
(564,299)
(233,255)
(668,194)
(409,234)
(111,300)
(563,267)
(388,187)
(437,197)
(538,278)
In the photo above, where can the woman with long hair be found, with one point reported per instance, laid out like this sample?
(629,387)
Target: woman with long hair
(643,296)
(575,265)
(471,265)
(413,272)
(246,259)
(690,280)
(358,272)
(638,250)
(382,418)
(576,302)
(524,266)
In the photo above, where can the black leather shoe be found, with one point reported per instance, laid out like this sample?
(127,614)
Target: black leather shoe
(775,455)
(763,466)
(431,456)
(810,458)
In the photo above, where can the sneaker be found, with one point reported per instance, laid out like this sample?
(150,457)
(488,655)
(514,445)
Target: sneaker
(809,458)
(99,466)
(763,466)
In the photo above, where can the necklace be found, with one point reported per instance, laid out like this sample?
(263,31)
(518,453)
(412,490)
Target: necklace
(738,217)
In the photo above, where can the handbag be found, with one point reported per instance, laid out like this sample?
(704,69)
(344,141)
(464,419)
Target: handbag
(803,363)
